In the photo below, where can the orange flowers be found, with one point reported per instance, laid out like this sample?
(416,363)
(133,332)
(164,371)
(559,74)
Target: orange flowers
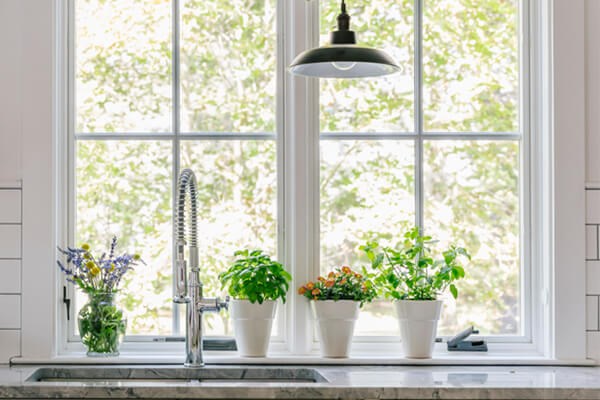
(340,284)
(308,289)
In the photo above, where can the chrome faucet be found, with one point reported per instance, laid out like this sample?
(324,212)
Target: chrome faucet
(188,287)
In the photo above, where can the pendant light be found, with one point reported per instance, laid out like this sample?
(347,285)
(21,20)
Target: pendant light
(343,58)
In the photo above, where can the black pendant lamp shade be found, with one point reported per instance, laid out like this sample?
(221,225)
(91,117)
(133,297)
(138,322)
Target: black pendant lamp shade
(343,58)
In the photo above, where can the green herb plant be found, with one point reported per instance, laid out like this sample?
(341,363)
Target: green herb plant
(255,277)
(410,271)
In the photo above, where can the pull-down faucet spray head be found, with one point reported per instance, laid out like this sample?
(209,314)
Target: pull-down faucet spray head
(186,186)
(188,287)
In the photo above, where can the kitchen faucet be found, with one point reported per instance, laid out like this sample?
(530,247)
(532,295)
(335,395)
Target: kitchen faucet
(188,287)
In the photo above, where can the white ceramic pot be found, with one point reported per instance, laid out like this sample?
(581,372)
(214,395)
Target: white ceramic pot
(252,326)
(418,326)
(335,320)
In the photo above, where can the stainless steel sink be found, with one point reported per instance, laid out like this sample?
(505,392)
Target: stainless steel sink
(175,375)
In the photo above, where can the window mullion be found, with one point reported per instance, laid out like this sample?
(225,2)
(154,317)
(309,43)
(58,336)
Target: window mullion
(69,235)
(176,323)
(301,174)
(418,117)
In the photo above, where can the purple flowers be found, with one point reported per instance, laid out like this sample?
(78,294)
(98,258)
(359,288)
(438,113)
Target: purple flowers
(93,274)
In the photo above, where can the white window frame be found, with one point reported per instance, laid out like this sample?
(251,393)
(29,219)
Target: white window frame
(292,96)
(306,94)
(176,138)
(557,165)
(420,136)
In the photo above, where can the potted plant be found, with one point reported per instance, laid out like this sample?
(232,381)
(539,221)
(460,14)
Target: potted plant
(335,301)
(410,276)
(255,282)
(101,323)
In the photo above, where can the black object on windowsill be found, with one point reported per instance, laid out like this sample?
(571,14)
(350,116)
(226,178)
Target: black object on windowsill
(67,302)
(458,342)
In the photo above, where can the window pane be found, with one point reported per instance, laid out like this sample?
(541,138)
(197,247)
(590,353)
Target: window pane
(372,105)
(237,194)
(367,192)
(124,189)
(472,198)
(471,65)
(228,65)
(123,66)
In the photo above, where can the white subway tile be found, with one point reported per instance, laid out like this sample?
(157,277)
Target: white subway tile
(592,313)
(10,345)
(592,277)
(591,242)
(592,205)
(10,241)
(10,271)
(10,311)
(10,206)
(593,346)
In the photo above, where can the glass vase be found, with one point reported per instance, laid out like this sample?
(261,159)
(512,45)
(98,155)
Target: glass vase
(101,325)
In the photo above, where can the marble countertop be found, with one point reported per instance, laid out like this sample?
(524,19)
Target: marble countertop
(341,382)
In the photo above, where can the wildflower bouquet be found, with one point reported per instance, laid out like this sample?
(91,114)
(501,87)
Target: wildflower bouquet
(340,284)
(96,275)
(101,324)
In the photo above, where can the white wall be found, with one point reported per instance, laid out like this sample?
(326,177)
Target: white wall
(592,129)
(10,89)
(568,203)
(592,80)
(27,161)
(26,123)
(10,175)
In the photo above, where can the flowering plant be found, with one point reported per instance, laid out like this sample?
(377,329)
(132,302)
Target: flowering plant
(340,284)
(96,275)
(102,325)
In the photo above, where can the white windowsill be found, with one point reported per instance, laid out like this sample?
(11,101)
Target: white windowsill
(438,359)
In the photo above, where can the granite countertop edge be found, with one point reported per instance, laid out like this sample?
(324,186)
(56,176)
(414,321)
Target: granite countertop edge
(329,392)
(343,382)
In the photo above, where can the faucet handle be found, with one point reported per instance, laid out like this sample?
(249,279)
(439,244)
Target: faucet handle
(213,304)
(180,289)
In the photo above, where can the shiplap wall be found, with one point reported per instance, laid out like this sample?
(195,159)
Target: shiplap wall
(592,257)
(10,271)
(592,277)
(592,116)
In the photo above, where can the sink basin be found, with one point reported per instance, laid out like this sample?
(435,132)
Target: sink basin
(175,375)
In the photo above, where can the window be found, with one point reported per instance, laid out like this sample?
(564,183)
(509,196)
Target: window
(163,85)
(166,85)
(437,145)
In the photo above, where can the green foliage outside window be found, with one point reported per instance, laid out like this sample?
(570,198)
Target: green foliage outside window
(228,84)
